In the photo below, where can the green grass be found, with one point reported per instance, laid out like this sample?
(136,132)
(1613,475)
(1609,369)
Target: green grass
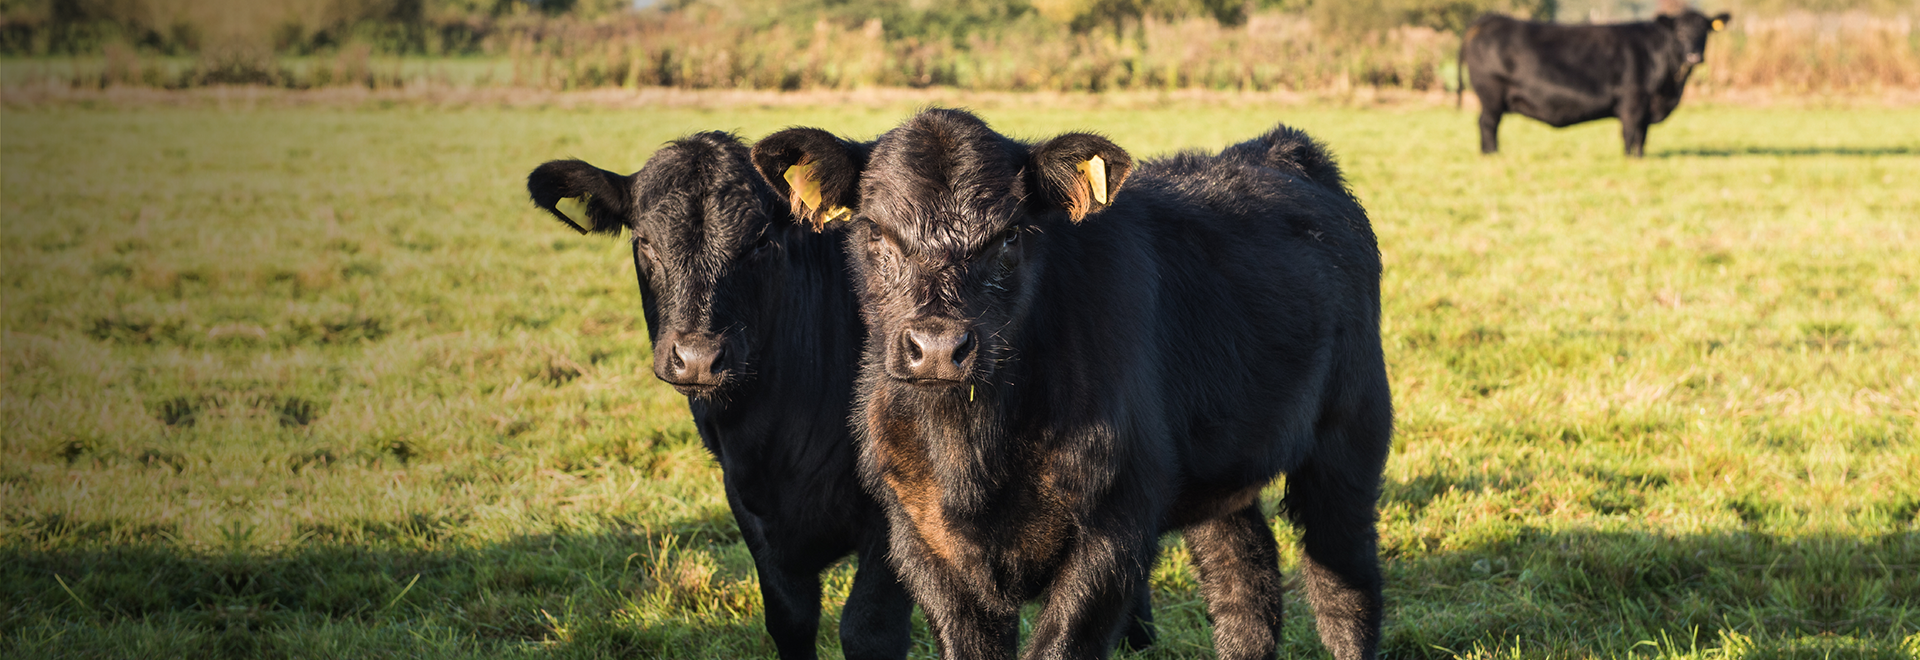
(320,383)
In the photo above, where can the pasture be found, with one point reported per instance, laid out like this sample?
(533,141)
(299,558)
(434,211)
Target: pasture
(320,383)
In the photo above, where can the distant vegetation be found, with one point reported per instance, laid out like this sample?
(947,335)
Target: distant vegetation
(1065,45)
(484,27)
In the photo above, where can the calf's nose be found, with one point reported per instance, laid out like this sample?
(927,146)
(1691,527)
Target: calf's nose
(691,361)
(937,350)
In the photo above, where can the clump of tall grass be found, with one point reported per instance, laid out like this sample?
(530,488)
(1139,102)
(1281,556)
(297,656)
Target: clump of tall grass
(1273,51)
(1806,52)
(1797,52)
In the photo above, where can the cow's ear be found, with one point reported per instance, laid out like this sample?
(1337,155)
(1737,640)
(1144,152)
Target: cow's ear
(817,172)
(1720,21)
(587,198)
(1664,20)
(1080,173)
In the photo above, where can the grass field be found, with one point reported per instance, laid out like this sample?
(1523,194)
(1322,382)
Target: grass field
(320,383)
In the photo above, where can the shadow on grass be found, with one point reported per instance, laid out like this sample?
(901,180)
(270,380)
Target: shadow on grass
(1724,152)
(405,588)
(1575,593)
(686,593)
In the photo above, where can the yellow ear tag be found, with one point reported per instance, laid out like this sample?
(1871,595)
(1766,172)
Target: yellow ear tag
(838,213)
(576,209)
(800,179)
(1719,25)
(1095,170)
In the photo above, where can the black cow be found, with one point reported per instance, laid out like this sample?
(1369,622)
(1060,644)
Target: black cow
(752,317)
(1054,376)
(1568,74)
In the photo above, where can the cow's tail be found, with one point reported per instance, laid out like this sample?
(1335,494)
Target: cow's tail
(1460,67)
(1291,150)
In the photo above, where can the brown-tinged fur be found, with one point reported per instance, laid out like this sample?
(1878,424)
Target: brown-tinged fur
(1081,377)
(906,470)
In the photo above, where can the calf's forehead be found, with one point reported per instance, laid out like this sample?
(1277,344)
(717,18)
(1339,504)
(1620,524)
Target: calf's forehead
(1693,22)
(944,181)
(695,201)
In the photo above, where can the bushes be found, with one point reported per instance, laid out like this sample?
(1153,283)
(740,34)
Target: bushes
(1016,45)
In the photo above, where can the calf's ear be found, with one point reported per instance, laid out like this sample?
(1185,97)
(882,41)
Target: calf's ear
(1079,172)
(817,172)
(587,198)
(1720,21)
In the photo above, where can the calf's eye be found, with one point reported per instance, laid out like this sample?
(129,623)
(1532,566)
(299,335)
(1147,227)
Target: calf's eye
(645,246)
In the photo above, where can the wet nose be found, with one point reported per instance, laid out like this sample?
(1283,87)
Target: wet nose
(690,361)
(937,349)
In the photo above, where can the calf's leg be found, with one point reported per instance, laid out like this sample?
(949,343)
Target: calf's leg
(965,626)
(1085,606)
(791,595)
(877,622)
(1331,499)
(1140,633)
(793,607)
(1239,569)
(967,629)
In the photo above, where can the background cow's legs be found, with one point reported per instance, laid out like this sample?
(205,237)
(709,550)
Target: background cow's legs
(1239,569)
(1493,103)
(1634,118)
(1331,499)
(877,621)
(1097,588)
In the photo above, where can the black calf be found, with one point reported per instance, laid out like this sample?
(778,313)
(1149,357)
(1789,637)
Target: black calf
(1054,376)
(753,318)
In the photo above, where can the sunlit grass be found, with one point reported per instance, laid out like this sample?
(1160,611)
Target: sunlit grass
(321,383)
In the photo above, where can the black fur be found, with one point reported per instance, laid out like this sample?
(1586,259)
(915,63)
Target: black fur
(1102,378)
(1568,74)
(725,267)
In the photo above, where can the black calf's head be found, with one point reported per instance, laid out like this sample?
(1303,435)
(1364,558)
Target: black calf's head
(1691,28)
(950,231)
(707,241)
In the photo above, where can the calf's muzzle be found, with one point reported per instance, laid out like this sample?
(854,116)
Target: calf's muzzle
(934,351)
(690,362)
